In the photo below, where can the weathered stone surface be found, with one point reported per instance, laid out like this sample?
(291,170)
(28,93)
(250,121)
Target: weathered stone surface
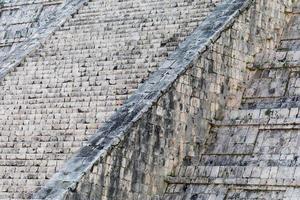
(20,19)
(253,153)
(62,92)
(40,22)
(181,132)
(149,138)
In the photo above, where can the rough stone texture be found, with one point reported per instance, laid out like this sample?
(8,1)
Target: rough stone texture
(20,19)
(37,22)
(62,92)
(165,126)
(254,152)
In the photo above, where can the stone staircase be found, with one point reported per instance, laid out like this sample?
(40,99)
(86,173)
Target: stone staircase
(254,152)
(19,19)
(61,93)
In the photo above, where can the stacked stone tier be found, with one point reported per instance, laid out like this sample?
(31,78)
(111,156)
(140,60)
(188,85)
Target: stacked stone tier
(253,153)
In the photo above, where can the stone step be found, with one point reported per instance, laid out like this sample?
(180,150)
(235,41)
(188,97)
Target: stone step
(200,191)
(99,7)
(85,21)
(39,142)
(272,158)
(285,57)
(289,44)
(292,56)
(270,83)
(232,182)
(253,140)
(262,114)
(262,123)
(265,63)
(14,4)
(10,42)
(270,102)
(31,156)
(23,174)
(5,141)
(255,176)
(50,150)
(71,85)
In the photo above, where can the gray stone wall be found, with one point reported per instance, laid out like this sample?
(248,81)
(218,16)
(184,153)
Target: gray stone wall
(20,19)
(58,95)
(133,153)
(253,152)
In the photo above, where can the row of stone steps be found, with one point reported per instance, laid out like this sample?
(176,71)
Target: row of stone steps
(229,192)
(130,20)
(263,114)
(273,88)
(289,45)
(20,19)
(253,152)
(31,159)
(13,4)
(97,8)
(133,51)
(275,83)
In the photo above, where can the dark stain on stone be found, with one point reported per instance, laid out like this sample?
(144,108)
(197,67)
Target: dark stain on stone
(272,91)
(194,197)
(187,161)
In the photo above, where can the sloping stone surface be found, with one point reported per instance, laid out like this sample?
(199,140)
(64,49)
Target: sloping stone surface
(20,19)
(254,152)
(72,84)
(40,27)
(69,86)
(166,121)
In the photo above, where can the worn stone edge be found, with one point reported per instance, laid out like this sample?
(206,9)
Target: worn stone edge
(6,5)
(228,181)
(115,130)
(51,23)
